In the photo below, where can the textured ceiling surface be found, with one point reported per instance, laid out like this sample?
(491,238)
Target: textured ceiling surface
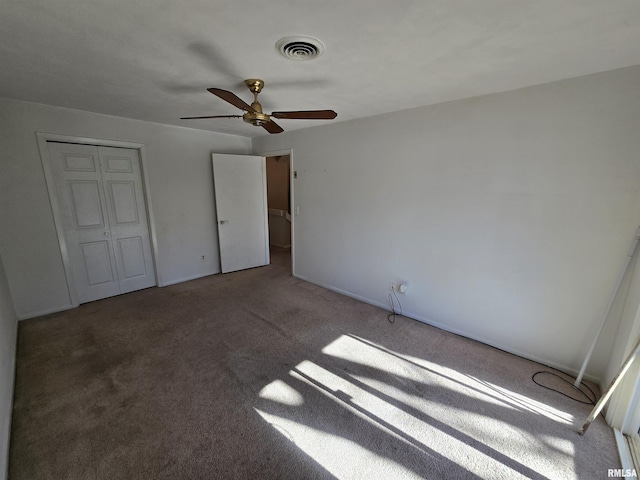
(154,60)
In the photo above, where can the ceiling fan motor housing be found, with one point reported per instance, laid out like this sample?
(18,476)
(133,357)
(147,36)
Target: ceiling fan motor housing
(256,118)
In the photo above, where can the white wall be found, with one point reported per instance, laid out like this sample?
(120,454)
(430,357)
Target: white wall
(509,215)
(179,175)
(8,332)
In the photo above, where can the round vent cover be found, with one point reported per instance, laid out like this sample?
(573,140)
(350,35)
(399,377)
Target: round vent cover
(300,47)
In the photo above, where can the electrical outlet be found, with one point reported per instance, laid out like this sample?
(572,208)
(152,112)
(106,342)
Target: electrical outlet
(203,258)
(398,287)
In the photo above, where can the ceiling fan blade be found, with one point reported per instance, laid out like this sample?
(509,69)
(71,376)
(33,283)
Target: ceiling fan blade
(211,116)
(307,115)
(232,98)
(272,127)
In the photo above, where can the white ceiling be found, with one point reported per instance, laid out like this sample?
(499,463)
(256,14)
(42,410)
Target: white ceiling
(154,60)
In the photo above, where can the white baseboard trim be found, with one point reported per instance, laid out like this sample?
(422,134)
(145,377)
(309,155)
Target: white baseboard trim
(29,315)
(623,450)
(186,279)
(462,333)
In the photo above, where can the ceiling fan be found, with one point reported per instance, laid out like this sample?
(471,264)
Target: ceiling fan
(254,114)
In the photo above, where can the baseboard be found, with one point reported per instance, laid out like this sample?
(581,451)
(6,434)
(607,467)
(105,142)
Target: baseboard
(69,307)
(44,312)
(187,279)
(623,450)
(462,333)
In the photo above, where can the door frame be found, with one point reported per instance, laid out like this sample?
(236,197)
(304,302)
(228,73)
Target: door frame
(292,201)
(42,139)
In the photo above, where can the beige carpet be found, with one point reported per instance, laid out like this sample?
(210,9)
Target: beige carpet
(256,374)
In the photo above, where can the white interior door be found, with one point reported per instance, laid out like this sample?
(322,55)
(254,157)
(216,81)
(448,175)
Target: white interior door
(101,203)
(240,183)
(122,180)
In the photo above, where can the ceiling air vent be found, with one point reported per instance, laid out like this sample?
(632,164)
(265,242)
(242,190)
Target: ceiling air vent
(300,47)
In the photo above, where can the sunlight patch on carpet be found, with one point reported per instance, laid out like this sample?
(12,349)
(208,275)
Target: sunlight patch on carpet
(348,457)
(280,392)
(424,374)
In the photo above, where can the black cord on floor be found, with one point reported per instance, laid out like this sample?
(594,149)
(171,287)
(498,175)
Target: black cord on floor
(392,316)
(591,400)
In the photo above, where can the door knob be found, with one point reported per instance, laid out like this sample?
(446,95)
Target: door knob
(106,234)
(222,222)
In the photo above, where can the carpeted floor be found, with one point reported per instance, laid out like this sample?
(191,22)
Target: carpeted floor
(256,374)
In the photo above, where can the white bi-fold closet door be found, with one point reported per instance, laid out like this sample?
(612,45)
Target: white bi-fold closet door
(102,208)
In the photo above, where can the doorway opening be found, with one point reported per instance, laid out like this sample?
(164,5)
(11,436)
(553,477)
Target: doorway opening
(279,205)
